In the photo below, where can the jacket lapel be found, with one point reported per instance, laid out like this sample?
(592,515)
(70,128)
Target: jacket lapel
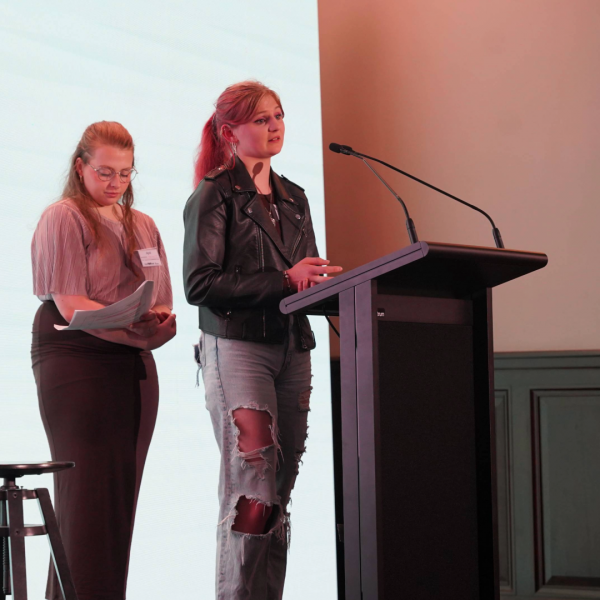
(292,219)
(256,211)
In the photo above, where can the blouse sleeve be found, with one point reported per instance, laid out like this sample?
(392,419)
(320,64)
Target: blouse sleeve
(165,292)
(58,254)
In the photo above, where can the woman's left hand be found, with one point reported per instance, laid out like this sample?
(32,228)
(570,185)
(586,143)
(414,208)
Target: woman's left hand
(164,332)
(148,323)
(162,316)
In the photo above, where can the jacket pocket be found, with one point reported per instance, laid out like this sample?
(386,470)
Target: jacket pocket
(307,337)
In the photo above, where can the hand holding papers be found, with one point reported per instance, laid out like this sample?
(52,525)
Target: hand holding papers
(120,314)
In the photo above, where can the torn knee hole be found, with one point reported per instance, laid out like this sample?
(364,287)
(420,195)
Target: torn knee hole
(253,516)
(256,433)
(255,427)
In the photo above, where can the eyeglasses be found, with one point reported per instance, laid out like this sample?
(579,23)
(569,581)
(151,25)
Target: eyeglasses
(106,174)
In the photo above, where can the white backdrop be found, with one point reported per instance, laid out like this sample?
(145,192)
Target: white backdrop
(157,68)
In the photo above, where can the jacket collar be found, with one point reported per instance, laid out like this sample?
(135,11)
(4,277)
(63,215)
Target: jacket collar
(281,191)
(240,178)
(292,216)
(241,182)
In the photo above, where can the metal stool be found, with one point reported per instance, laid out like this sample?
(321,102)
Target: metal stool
(13,531)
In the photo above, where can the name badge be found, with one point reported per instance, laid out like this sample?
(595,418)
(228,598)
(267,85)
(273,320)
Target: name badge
(149,257)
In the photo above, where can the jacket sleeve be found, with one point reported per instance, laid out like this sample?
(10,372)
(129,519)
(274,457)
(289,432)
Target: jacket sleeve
(204,250)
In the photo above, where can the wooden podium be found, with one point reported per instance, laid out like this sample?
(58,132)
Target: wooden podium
(417,426)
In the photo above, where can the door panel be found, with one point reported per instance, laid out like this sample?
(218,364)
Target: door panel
(548,456)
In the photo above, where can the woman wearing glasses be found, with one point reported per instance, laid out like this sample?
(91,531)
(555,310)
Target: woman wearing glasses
(98,389)
(249,241)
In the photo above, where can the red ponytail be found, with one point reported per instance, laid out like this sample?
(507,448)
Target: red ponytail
(210,151)
(235,106)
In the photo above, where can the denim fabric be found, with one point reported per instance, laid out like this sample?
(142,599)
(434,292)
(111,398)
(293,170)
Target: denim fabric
(275,378)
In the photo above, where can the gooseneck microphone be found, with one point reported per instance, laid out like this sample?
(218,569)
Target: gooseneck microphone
(410,226)
(340,149)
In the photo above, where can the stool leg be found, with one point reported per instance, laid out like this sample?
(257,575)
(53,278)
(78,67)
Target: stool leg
(4,556)
(17,545)
(57,549)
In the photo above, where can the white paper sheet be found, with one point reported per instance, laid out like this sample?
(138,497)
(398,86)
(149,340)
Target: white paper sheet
(120,314)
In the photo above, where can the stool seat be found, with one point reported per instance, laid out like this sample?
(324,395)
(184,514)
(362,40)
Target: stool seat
(13,471)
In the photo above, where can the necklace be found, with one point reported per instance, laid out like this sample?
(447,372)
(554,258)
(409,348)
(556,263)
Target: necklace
(271,208)
(274,218)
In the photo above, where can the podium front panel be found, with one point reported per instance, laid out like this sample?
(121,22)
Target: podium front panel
(418,503)
(427,461)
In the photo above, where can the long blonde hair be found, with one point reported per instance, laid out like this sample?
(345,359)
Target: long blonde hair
(103,133)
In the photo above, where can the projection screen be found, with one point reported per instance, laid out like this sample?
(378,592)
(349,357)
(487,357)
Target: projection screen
(156,67)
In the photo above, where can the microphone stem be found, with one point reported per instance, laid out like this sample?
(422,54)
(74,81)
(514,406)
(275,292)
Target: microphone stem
(410,226)
(495,230)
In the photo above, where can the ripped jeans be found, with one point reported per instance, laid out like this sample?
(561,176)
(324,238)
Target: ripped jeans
(274,378)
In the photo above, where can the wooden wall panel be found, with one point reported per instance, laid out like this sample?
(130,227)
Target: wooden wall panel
(549,474)
(503,461)
(566,467)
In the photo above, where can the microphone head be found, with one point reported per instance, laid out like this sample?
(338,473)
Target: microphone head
(340,149)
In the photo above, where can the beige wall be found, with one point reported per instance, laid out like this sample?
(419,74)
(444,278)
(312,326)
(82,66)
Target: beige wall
(499,103)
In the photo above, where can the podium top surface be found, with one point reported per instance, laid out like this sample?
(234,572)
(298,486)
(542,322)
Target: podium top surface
(423,269)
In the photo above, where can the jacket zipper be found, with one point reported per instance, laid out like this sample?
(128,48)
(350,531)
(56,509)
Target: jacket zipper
(261,250)
(261,260)
(297,242)
(299,237)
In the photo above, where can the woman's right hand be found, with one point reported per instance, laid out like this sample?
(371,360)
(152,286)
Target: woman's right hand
(165,331)
(309,272)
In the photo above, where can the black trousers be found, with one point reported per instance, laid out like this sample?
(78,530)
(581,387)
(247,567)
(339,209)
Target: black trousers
(98,402)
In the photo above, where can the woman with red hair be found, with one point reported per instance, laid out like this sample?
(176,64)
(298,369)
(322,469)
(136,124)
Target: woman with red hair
(98,389)
(249,241)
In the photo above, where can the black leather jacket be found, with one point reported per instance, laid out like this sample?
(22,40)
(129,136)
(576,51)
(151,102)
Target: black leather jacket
(233,258)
